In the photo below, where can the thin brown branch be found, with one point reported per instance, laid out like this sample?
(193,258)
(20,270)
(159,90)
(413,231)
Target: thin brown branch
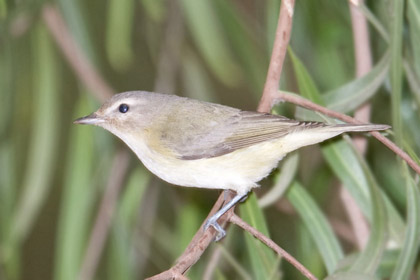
(330,113)
(363,62)
(356,218)
(145,223)
(199,243)
(283,32)
(341,228)
(270,243)
(100,230)
(81,65)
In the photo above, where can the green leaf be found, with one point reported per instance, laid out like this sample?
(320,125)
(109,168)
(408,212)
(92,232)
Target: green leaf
(195,79)
(3,9)
(347,97)
(396,67)
(413,15)
(251,57)
(76,203)
(352,275)
(353,94)
(282,180)
(387,264)
(207,33)
(306,84)
(155,9)
(188,222)
(39,171)
(370,258)
(132,196)
(317,225)
(374,21)
(339,155)
(232,261)
(73,14)
(345,164)
(410,248)
(118,35)
(263,260)
(413,80)
(8,248)
(122,257)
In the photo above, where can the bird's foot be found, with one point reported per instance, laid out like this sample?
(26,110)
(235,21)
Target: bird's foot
(212,221)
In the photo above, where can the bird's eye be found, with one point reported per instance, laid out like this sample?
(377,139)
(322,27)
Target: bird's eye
(123,108)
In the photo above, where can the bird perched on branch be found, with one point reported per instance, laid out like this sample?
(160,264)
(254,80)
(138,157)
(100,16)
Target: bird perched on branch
(192,143)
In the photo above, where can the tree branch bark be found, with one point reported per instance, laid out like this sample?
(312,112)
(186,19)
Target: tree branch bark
(270,243)
(77,59)
(283,32)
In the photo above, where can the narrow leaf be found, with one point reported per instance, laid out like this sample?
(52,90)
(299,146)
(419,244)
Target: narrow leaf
(76,203)
(42,146)
(118,35)
(211,42)
(410,249)
(370,258)
(353,94)
(317,225)
(263,260)
(396,67)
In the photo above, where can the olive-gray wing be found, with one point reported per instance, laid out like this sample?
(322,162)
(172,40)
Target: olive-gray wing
(239,131)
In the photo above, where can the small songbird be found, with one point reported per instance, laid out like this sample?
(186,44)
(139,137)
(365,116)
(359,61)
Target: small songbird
(192,143)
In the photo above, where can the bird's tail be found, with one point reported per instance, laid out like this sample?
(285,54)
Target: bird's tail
(341,128)
(310,133)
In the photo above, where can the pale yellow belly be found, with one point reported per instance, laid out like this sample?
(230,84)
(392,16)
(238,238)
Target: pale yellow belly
(239,170)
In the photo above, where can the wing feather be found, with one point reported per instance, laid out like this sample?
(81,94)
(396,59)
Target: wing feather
(240,130)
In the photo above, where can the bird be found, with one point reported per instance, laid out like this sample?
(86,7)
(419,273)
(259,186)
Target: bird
(192,143)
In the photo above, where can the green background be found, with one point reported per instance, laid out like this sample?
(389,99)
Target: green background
(53,174)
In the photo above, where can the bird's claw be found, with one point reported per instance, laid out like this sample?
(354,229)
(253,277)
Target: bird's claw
(220,231)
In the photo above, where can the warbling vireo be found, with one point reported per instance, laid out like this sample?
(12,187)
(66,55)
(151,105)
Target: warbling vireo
(193,143)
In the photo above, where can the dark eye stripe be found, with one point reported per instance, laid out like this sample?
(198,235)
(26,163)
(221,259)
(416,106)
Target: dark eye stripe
(123,108)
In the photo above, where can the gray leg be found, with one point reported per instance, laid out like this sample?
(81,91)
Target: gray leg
(212,221)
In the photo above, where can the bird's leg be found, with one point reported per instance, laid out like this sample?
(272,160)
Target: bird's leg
(212,221)
(226,194)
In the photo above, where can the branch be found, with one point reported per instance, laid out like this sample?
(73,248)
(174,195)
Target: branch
(198,244)
(292,98)
(270,243)
(75,56)
(284,29)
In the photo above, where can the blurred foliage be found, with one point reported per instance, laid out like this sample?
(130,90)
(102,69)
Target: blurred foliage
(52,173)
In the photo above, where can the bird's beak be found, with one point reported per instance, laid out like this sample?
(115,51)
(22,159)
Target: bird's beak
(91,119)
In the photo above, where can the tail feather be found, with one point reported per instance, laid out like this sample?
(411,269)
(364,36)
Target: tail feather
(356,127)
(316,132)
